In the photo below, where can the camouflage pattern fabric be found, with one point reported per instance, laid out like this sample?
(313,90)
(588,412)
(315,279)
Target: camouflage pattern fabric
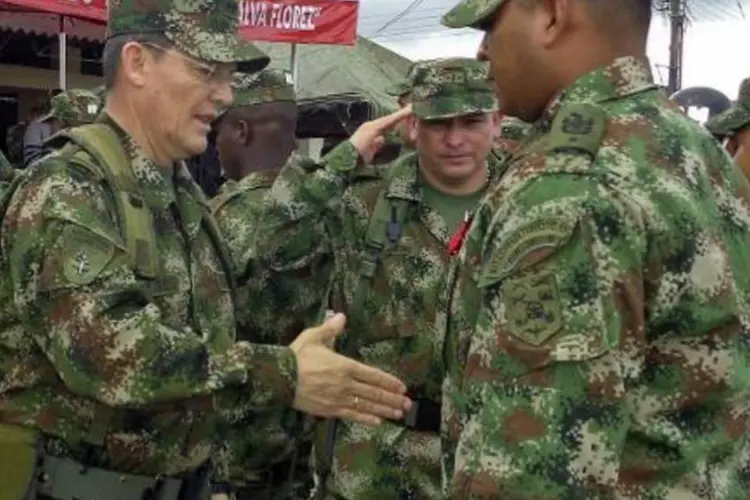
(452,87)
(265,438)
(403,87)
(399,89)
(736,117)
(7,172)
(513,129)
(74,106)
(512,132)
(596,334)
(395,332)
(101,93)
(204,29)
(470,13)
(269,85)
(81,331)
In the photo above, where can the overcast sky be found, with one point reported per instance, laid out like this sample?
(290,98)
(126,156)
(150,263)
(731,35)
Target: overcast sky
(709,45)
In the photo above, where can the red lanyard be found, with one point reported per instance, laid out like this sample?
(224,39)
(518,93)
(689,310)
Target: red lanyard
(457,240)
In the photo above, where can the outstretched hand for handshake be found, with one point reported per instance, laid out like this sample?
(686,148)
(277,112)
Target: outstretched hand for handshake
(332,385)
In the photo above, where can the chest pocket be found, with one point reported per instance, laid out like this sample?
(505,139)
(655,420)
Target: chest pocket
(382,251)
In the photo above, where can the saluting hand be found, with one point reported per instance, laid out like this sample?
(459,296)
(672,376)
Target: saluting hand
(370,136)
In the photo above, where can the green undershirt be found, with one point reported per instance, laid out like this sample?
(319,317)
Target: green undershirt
(452,208)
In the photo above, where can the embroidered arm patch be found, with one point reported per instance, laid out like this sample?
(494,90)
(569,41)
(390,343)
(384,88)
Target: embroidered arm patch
(529,290)
(84,254)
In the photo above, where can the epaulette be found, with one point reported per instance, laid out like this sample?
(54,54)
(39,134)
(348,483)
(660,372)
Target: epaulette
(577,127)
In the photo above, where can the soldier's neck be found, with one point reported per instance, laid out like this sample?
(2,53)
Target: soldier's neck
(260,162)
(127,118)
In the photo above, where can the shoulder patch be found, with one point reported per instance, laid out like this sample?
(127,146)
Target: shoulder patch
(533,309)
(85,254)
(518,245)
(577,127)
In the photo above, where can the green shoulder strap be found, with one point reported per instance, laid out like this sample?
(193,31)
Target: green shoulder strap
(102,144)
(214,233)
(385,226)
(102,153)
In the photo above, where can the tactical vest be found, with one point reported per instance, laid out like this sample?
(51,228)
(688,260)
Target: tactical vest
(98,149)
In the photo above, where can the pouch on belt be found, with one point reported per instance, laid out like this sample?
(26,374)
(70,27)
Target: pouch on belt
(19,453)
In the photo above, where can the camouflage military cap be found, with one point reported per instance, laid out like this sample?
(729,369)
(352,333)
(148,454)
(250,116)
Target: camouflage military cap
(204,29)
(736,117)
(269,85)
(399,89)
(446,88)
(471,13)
(403,87)
(74,106)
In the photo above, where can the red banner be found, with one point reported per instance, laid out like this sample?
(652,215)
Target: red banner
(332,22)
(91,10)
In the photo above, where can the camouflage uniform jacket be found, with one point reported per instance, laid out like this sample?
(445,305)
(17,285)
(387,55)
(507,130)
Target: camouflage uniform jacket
(83,331)
(395,331)
(272,308)
(7,171)
(596,343)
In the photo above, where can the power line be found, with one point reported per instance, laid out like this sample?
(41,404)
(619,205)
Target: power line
(698,11)
(406,11)
(399,37)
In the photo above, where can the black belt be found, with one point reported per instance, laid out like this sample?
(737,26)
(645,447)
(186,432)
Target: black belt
(424,416)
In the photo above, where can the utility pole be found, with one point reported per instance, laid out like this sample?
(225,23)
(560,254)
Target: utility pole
(677,21)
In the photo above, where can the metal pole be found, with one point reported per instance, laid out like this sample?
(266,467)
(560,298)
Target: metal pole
(677,37)
(62,41)
(294,66)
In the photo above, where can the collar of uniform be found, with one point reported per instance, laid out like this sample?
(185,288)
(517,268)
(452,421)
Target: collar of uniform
(403,178)
(227,186)
(622,77)
(156,184)
(185,182)
(261,179)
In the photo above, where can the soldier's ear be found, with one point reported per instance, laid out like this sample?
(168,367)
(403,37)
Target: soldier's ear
(134,62)
(552,20)
(731,146)
(412,124)
(244,133)
(495,118)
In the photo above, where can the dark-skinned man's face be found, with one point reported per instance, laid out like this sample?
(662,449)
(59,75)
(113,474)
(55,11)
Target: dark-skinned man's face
(256,132)
(507,45)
